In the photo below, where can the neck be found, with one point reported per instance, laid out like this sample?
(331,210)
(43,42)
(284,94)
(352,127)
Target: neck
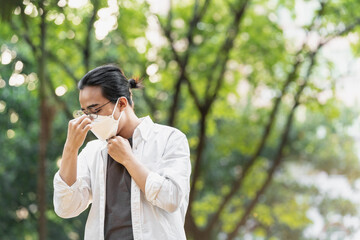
(132,121)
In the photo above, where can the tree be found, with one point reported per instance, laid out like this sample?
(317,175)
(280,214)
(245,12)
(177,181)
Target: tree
(225,73)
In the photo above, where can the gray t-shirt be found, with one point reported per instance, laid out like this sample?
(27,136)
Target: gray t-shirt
(118,223)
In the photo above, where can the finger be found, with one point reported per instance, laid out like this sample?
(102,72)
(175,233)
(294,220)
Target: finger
(119,137)
(84,123)
(72,122)
(109,149)
(110,140)
(87,128)
(113,139)
(123,140)
(80,119)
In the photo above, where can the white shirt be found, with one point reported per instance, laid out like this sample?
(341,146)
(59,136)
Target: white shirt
(157,214)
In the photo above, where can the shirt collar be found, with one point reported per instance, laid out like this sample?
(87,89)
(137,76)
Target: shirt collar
(144,128)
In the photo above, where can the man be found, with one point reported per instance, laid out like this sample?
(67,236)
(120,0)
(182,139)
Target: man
(136,176)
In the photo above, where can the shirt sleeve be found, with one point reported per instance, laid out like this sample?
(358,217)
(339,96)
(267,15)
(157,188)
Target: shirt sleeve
(70,201)
(169,187)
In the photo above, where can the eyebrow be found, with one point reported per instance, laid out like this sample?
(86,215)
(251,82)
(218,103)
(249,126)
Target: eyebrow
(90,106)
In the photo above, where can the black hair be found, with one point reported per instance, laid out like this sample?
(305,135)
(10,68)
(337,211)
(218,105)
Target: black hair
(112,81)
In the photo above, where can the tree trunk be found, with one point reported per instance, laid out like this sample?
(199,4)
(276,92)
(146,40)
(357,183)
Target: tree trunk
(45,129)
(175,102)
(46,117)
(190,225)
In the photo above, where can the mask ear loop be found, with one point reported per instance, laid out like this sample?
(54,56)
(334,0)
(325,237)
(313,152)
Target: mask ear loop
(112,115)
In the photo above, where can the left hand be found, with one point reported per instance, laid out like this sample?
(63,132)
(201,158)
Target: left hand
(120,150)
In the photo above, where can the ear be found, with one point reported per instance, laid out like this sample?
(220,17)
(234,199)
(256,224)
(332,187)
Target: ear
(123,102)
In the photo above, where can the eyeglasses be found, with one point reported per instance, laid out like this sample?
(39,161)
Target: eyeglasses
(92,112)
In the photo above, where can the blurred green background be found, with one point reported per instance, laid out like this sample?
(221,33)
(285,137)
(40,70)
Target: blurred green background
(266,92)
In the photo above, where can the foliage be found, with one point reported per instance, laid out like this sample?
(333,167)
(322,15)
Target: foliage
(218,71)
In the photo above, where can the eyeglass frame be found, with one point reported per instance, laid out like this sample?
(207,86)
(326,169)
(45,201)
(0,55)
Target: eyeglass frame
(91,113)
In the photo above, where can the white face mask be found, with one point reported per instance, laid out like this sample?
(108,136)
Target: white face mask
(105,127)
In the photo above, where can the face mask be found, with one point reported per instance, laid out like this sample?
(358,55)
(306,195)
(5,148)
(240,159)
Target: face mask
(105,127)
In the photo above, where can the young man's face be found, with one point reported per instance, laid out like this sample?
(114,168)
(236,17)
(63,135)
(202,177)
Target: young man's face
(93,102)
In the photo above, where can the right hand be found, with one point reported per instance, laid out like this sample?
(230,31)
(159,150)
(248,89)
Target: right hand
(77,130)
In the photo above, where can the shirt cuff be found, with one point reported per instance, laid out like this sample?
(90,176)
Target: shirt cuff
(62,185)
(153,185)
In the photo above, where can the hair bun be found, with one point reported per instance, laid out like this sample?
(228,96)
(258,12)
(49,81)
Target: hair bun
(133,83)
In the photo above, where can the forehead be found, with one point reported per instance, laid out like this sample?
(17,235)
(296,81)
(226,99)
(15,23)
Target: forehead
(90,95)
